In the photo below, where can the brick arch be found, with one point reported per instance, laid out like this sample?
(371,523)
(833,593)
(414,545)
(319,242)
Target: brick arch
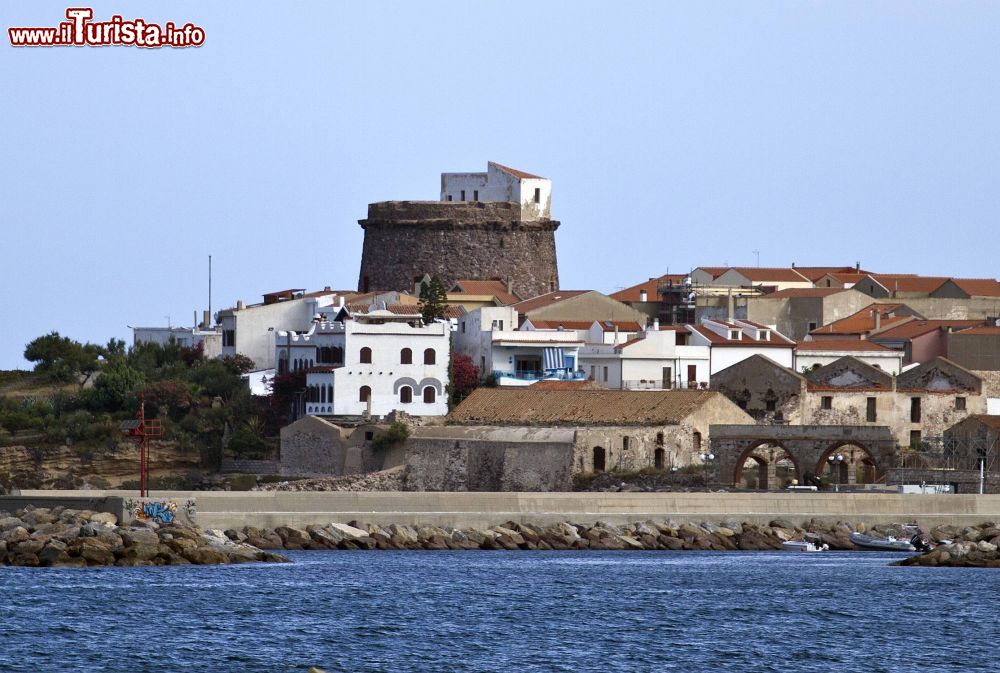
(867,457)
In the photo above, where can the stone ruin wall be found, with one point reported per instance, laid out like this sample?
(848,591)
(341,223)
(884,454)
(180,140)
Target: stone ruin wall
(469,240)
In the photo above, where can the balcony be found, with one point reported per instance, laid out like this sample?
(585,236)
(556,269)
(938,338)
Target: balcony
(650,384)
(526,378)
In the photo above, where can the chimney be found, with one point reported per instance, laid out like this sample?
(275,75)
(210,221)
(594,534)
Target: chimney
(729,305)
(510,285)
(656,324)
(793,265)
(206,320)
(240,305)
(643,296)
(857,267)
(878,319)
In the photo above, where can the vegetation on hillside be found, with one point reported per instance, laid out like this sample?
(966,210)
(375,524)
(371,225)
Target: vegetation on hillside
(79,393)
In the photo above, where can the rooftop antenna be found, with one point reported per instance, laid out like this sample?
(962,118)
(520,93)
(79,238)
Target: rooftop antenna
(757,253)
(209,288)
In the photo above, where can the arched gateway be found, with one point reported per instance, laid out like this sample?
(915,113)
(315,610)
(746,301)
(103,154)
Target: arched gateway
(767,457)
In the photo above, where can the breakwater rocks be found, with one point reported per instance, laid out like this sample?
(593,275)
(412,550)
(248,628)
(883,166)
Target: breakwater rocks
(969,547)
(646,535)
(61,537)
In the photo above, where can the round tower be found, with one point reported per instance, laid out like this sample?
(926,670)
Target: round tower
(457,240)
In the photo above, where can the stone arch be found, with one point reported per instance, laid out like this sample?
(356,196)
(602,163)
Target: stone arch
(845,473)
(767,454)
(433,383)
(405,381)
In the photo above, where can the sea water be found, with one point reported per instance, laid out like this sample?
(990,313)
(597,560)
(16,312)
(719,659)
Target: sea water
(505,611)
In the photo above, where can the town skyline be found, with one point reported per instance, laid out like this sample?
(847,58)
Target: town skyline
(715,134)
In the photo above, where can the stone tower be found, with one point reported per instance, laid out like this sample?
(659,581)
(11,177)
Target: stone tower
(486,225)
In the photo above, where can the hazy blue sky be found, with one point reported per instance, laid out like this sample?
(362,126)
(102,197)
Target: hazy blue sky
(676,135)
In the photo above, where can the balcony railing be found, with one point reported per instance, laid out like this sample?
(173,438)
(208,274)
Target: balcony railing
(650,384)
(541,375)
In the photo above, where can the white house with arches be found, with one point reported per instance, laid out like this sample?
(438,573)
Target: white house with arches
(370,360)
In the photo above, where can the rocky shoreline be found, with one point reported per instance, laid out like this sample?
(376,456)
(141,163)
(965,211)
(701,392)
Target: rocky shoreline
(61,537)
(646,535)
(972,547)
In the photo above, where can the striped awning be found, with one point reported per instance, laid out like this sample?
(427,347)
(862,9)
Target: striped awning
(552,358)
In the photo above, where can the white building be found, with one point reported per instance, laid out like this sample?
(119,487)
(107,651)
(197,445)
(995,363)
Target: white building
(814,354)
(657,358)
(734,341)
(611,332)
(489,336)
(210,339)
(250,330)
(501,183)
(371,361)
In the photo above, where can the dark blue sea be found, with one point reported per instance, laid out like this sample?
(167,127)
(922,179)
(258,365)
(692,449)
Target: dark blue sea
(505,611)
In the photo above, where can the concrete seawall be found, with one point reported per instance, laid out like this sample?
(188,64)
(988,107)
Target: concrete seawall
(480,510)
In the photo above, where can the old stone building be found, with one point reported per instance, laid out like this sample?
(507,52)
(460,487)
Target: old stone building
(472,233)
(315,446)
(918,404)
(614,429)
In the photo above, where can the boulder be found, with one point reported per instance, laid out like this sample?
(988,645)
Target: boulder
(349,532)
(107,518)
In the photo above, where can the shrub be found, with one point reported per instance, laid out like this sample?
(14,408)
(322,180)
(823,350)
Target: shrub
(396,434)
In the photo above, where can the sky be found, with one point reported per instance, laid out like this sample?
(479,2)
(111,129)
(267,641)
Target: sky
(675,134)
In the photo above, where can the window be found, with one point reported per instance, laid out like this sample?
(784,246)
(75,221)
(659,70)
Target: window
(625,443)
(329,392)
(364,394)
(462,197)
(449,197)
(692,373)
(696,442)
(659,439)
(659,459)
(429,395)
(366,355)
(959,404)
(406,394)
(430,357)
(229,337)
(369,435)
(914,409)
(826,402)
(871,414)
(812,325)
(463,327)
(475,194)
(538,195)
(914,439)
(605,374)
(406,357)
(770,405)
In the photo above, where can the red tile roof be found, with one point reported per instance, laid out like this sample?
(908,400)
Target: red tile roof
(758,274)
(566,385)
(814,273)
(915,328)
(530,405)
(651,286)
(565,324)
(978,287)
(493,288)
(809,292)
(547,299)
(396,309)
(841,345)
(988,421)
(912,284)
(521,175)
(746,341)
(863,321)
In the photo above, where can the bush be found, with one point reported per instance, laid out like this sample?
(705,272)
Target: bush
(396,434)
(245,443)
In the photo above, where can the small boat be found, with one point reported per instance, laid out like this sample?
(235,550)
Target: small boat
(890,543)
(802,545)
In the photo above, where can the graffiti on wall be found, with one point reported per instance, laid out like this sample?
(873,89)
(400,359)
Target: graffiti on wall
(163,512)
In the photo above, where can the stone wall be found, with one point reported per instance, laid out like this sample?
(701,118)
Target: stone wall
(472,240)
(471,458)
(313,446)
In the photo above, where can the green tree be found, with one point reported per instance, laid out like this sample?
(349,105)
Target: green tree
(61,358)
(117,385)
(433,300)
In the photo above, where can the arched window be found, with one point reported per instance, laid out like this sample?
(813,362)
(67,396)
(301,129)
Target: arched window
(329,393)
(366,355)
(364,394)
(406,357)
(430,357)
(625,443)
(406,394)
(659,457)
(322,394)
(696,442)
(337,355)
(429,395)
(598,459)
(659,439)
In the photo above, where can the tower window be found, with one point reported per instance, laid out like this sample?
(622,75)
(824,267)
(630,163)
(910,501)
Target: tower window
(449,197)
(475,194)
(538,195)
(462,197)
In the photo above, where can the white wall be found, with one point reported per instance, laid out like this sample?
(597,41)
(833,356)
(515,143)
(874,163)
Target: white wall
(890,363)
(498,185)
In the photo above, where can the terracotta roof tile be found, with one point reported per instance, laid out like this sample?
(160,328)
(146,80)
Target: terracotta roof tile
(745,340)
(984,329)
(842,345)
(913,284)
(978,287)
(494,288)
(809,292)
(566,385)
(759,274)
(814,273)
(521,175)
(547,299)
(863,321)
(527,406)
(397,309)
(651,286)
(915,328)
